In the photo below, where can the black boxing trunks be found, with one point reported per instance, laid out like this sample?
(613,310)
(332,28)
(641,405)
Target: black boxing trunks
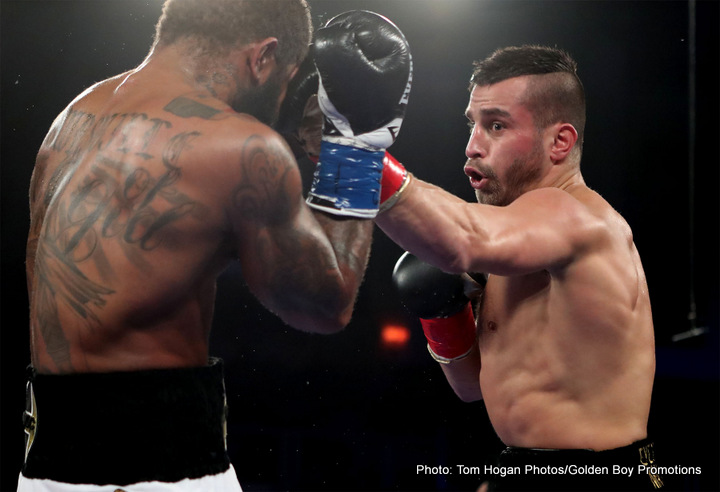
(628,468)
(121,428)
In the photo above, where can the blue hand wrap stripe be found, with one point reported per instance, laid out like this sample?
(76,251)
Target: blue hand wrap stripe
(347,180)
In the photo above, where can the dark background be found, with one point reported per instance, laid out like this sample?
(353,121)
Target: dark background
(347,412)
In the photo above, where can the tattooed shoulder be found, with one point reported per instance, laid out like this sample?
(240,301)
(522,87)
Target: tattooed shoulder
(269,184)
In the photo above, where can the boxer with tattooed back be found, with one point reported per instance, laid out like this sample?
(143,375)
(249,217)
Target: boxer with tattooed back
(146,187)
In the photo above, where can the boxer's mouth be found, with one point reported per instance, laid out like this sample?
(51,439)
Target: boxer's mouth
(477,179)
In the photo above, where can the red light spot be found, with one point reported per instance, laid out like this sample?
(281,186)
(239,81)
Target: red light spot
(395,336)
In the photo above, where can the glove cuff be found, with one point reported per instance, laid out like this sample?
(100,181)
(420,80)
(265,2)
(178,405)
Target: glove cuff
(395,179)
(347,181)
(452,337)
(445,360)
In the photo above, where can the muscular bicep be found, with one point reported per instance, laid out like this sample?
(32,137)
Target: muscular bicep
(540,230)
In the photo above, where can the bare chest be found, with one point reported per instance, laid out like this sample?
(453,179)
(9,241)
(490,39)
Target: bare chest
(509,303)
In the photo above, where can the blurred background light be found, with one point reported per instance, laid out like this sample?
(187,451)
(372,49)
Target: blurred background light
(394,336)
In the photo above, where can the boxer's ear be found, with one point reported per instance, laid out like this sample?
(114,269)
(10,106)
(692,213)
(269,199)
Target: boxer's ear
(564,137)
(262,59)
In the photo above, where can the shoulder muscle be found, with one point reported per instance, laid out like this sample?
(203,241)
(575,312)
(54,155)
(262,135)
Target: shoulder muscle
(543,229)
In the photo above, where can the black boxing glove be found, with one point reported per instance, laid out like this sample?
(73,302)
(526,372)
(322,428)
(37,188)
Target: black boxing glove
(300,119)
(365,69)
(438,299)
(365,72)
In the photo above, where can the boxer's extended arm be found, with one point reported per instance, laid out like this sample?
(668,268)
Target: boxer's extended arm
(542,230)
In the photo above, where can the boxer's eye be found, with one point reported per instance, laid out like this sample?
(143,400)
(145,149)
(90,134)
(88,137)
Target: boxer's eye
(496,126)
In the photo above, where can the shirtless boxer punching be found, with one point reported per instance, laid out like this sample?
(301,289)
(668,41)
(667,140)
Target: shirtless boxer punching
(146,187)
(560,345)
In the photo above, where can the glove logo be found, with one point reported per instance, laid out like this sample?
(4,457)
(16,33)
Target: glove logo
(405,99)
(393,131)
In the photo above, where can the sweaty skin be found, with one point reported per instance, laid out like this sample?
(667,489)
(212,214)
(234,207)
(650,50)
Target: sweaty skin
(146,187)
(565,353)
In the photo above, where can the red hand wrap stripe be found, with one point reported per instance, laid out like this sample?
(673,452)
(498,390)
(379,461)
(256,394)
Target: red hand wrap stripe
(393,176)
(452,336)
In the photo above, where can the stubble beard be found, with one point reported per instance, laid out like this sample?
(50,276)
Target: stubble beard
(262,102)
(522,175)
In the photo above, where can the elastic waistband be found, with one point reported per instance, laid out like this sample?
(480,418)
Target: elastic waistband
(581,469)
(126,427)
(639,452)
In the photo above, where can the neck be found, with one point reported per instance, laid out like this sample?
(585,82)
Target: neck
(569,179)
(216,76)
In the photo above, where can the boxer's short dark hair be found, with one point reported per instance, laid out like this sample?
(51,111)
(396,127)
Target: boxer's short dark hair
(555,94)
(220,25)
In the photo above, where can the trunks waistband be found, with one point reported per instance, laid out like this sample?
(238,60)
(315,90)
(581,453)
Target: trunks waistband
(640,456)
(126,427)
(640,452)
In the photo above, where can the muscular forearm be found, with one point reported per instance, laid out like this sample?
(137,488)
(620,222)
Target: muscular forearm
(309,273)
(464,376)
(350,240)
(433,224)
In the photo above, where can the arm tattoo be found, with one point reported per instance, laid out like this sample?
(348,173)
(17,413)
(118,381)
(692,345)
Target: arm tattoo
(297,268)
(262,196)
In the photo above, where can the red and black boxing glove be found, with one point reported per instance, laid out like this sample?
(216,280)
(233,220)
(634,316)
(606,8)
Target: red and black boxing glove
(438,299)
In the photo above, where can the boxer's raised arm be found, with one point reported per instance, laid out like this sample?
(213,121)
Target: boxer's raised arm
(305,268)
(307,265)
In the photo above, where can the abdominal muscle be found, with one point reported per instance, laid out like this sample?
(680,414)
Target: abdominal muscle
(550,419)
(548,383)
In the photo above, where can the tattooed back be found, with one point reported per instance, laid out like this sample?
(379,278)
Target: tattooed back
(143,191)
